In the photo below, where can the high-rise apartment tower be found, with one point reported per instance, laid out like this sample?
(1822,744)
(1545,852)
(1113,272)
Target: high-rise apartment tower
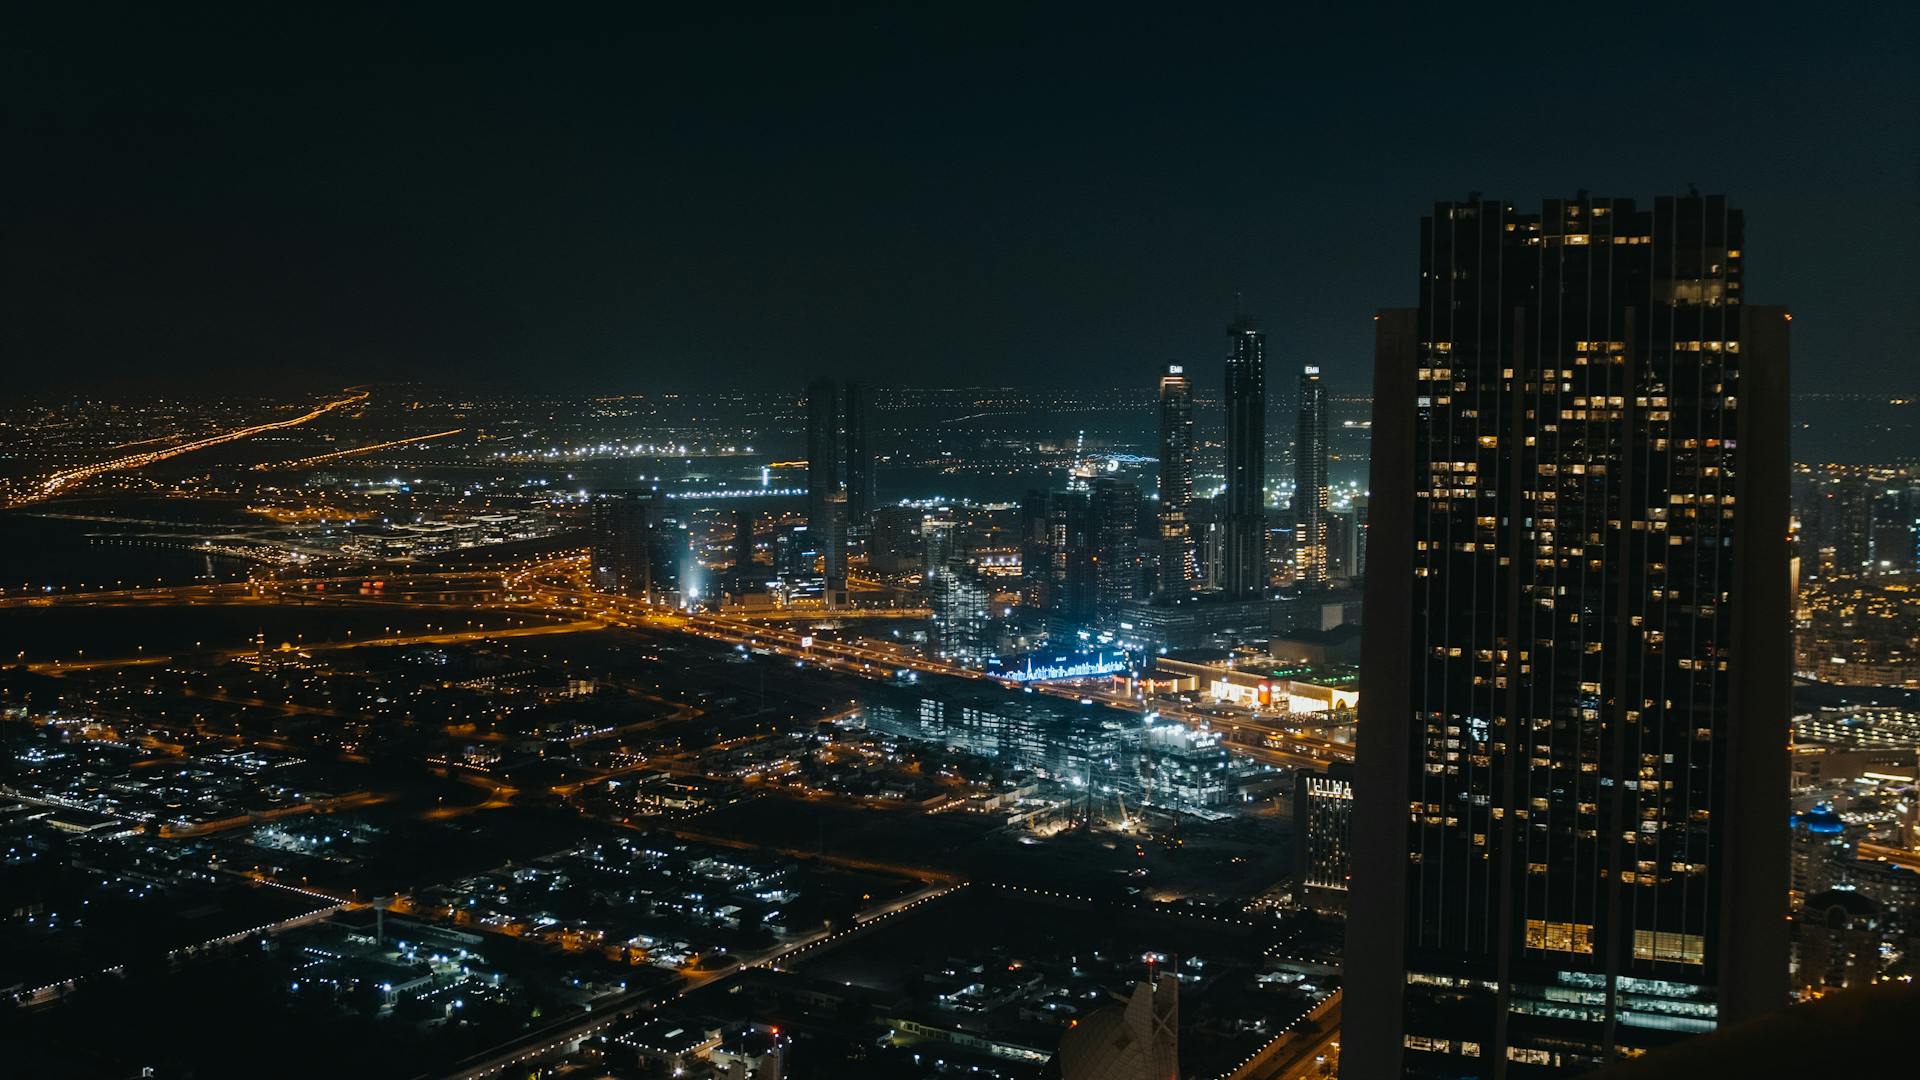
(1571,790)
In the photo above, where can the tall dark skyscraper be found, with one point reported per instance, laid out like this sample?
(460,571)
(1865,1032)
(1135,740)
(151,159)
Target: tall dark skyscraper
(827,493)
(1176,567)
(1058,572)
(1570,826)
(1117,563)
(742,575)
(823,448)
(857,425)
(620,543)
(1310,480)
(1246,398)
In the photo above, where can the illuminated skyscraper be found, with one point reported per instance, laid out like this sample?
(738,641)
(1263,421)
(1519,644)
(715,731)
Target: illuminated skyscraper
(1310,480)
(1116,559)
(1059,577)
(1323,837)
(1246,398)
(1176,567)
(1570,828)
(833,537)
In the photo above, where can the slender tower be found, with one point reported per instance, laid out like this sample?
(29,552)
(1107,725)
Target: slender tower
(1177,570)
(1571,791)
(826,495)
(1310,481)
(823,448)
(857,423)
(1246,513)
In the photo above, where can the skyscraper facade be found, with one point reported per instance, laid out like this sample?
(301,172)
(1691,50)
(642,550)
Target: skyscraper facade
(857,426)
(742,575)
(1059,577)
(1571,790)
(823,448)
(1176,570)
(1246,398)
(832,532)
(834,425)
(1116,559)
(1310,481)
(1323,837)
(619,551)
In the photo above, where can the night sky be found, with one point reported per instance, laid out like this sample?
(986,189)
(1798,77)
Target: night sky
(268,199)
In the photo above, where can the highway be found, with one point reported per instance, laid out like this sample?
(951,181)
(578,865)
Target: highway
(448,637)
(62,481)
(1897,856)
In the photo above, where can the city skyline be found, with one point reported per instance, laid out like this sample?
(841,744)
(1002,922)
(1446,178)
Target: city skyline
(958,543)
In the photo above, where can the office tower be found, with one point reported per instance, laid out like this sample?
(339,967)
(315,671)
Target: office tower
(1852,526)
(672,571)
(1176,555)
(1339,545)
(1893,522)
(796,564)
(833,540)
(823,447)
(938,542)
(1058,575)
(1358,539)
(1208,525)
(1822,846)
(1246,394)
(962,626)
(896,542)
(1323,837)
(824,484)
(1310,481)
(857,423)
(1571,791)
(743,573)
(619,540)
(1115,536)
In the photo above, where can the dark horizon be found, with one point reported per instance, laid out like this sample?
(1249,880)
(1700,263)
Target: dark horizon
(699,201)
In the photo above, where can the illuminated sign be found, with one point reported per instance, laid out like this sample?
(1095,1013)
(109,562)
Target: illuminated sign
(1066,668)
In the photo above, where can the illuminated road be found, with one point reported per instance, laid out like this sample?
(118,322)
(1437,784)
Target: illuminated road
(61,481)
(354,451)
(1897,856)
(1304,1055)
(451,637)
(610,1015)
